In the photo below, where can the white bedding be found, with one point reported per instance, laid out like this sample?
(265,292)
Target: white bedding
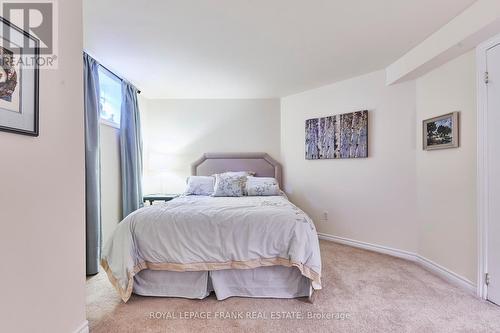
(199,233)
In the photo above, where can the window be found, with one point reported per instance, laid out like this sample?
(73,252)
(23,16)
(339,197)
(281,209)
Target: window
(111,97)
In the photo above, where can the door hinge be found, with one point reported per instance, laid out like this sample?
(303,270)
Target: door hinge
(487,278)
(486,77)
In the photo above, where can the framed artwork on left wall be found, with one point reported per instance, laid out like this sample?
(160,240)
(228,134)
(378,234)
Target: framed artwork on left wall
(19,80)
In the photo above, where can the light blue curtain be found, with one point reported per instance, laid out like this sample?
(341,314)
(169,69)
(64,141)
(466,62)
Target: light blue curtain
(131,150)
(92,164)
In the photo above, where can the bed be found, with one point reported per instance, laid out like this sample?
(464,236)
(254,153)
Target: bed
(252,246)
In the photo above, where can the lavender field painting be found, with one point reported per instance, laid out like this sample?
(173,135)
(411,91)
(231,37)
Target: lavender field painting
(339,136)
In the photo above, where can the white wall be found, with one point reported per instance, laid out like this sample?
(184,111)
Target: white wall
(373,199)
(111,195)
(177,132)
(446,179)
(42,212)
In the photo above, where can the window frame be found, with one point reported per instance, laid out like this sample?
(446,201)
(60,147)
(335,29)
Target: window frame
(108,123)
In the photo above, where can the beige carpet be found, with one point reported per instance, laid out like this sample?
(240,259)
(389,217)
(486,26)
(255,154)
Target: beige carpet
(377,293)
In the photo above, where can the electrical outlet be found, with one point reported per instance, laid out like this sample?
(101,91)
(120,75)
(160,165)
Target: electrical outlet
(324,216)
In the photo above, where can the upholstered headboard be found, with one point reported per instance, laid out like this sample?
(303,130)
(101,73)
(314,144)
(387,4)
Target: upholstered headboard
(261,163)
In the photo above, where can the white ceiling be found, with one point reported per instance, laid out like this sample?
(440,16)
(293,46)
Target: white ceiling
(254,48)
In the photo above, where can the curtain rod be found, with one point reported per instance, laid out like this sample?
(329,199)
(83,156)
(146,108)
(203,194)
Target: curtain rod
(119,78)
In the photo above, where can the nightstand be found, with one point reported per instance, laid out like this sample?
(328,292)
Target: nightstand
(159,197)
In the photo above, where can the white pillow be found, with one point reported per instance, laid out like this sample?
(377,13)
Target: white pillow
(200,185)
(262,186)
(229,185)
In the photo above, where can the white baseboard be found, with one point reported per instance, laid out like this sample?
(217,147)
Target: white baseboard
(429,265)
(446,274)
(368,246)
(83,328)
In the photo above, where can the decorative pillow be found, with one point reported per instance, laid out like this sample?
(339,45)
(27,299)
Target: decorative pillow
(260,186)
(200,185)
(229,185)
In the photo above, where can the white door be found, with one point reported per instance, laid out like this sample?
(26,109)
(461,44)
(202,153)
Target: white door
(493,224)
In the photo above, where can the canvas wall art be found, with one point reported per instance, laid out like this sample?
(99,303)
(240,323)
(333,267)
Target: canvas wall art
(441,132)
(339,136)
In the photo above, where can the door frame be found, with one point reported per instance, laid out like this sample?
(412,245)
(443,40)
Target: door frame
(482,165)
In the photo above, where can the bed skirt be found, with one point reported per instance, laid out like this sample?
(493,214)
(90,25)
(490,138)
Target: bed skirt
(260,282)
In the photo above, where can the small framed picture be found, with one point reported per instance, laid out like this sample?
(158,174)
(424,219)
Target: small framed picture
(441,132)
(19,75)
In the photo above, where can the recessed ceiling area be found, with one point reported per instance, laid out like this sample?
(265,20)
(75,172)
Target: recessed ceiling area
(254,49)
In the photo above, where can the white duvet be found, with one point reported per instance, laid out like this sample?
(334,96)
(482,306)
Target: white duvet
(199,233)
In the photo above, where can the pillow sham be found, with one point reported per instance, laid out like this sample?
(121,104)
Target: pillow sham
(262,186)
(229,185)
(200,185)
